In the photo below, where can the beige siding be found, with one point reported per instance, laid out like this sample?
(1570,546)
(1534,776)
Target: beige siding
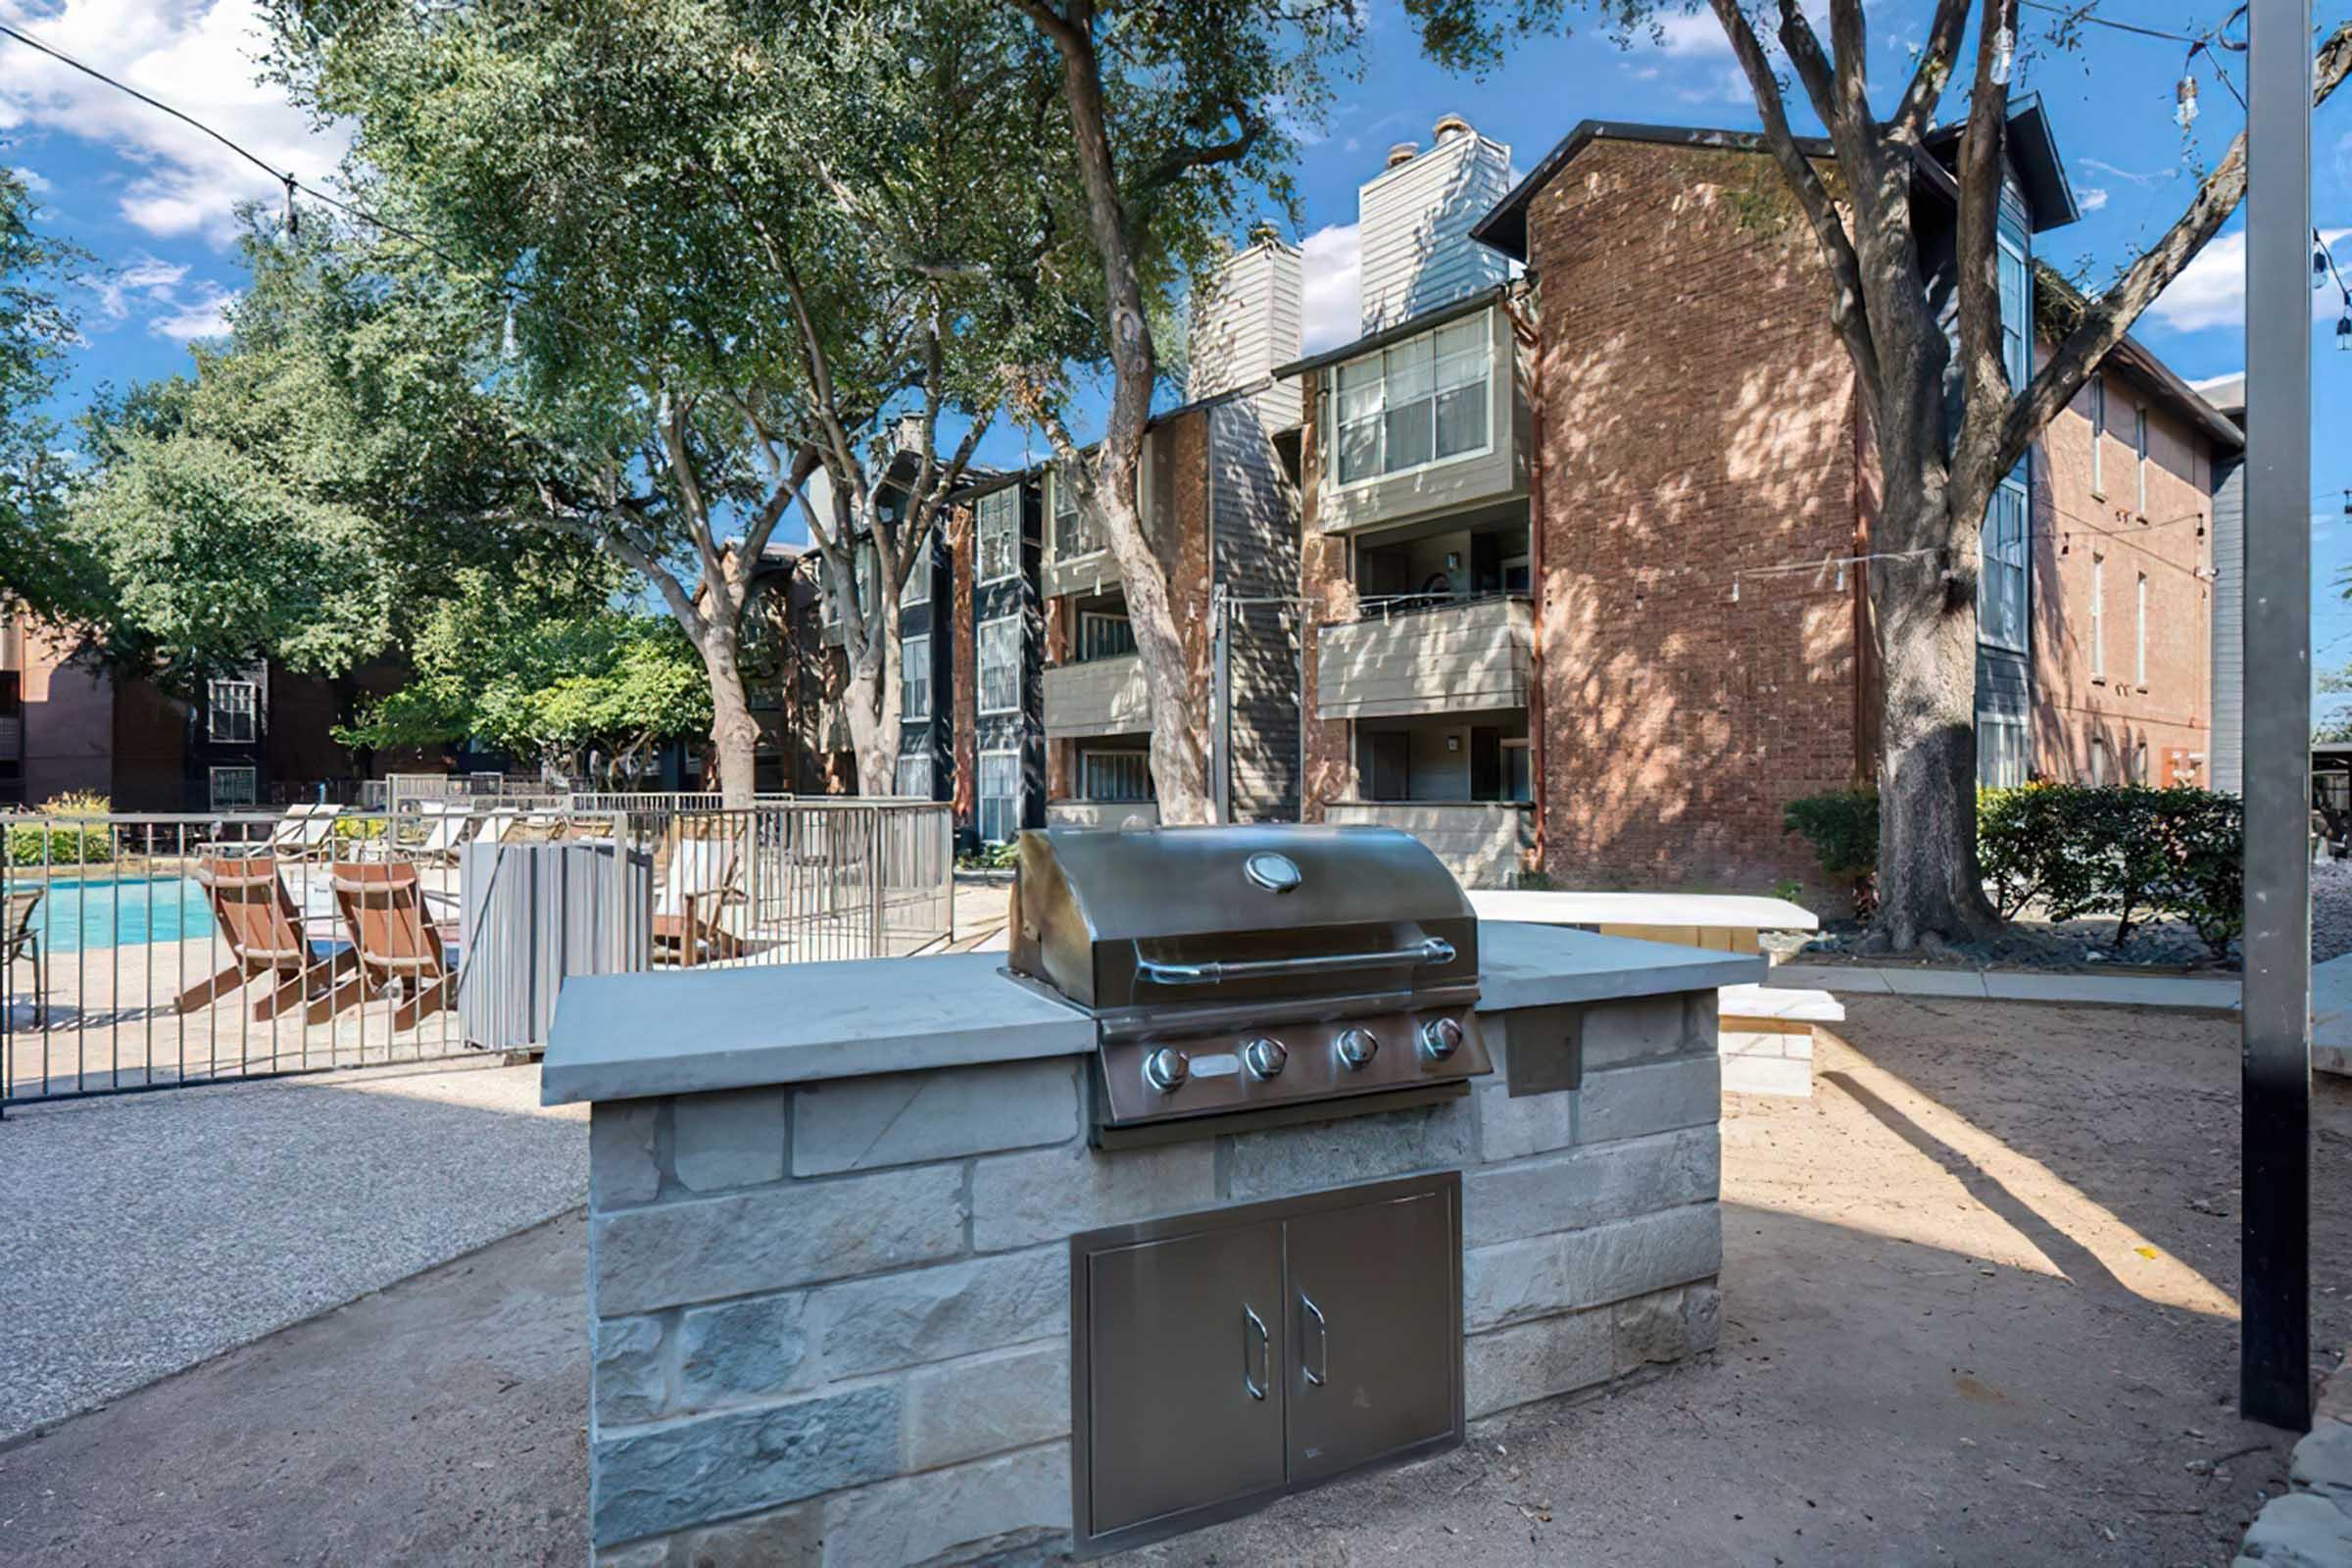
(1431,661)
(1102,814)
(1479,843)
(1101,697)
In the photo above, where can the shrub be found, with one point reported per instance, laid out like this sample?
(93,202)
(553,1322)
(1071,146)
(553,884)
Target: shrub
(2126,851)
(1843,827)
(40,844)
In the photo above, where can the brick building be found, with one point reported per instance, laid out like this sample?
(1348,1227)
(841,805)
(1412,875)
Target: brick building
(1604,634)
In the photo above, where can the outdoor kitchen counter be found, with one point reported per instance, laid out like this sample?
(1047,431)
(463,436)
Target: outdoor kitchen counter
(636,1036)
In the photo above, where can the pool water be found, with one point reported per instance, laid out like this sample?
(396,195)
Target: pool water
(121,912)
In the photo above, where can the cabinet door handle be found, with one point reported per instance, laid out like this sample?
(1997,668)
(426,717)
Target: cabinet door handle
(1316,1374)
(1265,1351)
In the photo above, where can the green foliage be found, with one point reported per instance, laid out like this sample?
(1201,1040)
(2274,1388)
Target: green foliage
(37,844)
(543,675)
(1842,826)
(36,331)
(2124,851)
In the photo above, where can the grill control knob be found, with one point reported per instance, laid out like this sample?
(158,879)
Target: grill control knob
(1358,1047)
(1264,1057)
(1166,1069)
(1441,1038)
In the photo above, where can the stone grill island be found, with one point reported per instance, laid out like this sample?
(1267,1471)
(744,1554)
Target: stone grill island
(879,1274)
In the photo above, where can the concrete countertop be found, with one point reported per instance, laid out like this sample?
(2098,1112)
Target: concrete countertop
(628,1036)
(1732,911)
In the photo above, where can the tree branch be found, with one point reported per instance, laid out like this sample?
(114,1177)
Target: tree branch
(1930,76)
(2106,320)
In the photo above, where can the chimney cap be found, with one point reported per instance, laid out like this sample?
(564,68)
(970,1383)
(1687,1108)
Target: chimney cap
(1405,152)
(1452,126)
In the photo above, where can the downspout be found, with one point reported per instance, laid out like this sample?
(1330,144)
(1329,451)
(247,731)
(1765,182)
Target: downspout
(1539,743)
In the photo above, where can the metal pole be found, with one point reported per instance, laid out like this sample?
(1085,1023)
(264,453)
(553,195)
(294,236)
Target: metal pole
(2274,1346)
(1220,720)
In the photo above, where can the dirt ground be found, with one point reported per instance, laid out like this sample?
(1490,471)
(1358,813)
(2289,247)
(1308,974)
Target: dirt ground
(1977,1310)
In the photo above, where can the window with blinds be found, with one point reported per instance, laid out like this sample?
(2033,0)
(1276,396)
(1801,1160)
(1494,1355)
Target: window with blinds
(232,709)
(2004,562)
(914,679)
(1074,536)
(1102,635)
(1000,666)
(1115,775)
(914,776)
(1000,534)
(1419,403)
(999,795)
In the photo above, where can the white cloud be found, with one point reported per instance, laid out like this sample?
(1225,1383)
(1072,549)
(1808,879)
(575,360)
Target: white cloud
(198,56)
(205,316)
(2090,198)
(2211,291)
(33,179)
(2153,177)
(1332,265)
(143,276)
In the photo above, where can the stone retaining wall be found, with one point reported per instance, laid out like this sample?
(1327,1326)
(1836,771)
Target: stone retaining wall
(2310,1524)
(832,1323)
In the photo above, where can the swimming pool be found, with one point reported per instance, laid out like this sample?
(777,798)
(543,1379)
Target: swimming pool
(121,912)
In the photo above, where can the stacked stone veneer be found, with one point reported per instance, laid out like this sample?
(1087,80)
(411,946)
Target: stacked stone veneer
(832,1322)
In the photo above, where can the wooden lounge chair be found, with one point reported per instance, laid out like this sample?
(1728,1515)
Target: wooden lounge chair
(689,910)
(395,939)
(20,942)
(262,927)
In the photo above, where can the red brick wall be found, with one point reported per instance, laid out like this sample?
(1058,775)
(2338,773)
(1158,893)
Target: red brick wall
(1699,417)
(2170,544)
(1327,585)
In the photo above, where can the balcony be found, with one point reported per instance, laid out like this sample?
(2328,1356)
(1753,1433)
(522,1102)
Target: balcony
(1099,697)
(1481,842)
(1454,658)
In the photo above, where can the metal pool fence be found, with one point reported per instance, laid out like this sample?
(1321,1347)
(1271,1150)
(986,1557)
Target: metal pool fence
(145,950)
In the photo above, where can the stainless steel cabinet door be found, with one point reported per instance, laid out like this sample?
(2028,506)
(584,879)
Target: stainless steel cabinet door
(1375,1327)
(1184,1407)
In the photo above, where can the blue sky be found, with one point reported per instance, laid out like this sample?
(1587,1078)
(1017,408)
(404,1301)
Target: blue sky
(156,204)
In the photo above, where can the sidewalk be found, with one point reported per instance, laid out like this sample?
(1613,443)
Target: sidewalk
(2003,985)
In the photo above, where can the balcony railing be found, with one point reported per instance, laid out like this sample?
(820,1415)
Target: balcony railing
(1425,656)
(1099,697)
(1481,842)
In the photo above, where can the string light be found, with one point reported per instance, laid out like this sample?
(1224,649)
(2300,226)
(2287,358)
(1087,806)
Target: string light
(2184,100)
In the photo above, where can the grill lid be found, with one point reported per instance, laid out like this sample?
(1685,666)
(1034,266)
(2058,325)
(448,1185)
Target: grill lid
(1182,915)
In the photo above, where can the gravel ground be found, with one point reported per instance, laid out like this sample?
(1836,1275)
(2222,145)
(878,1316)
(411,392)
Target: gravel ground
(150,1231)
(1976,1310)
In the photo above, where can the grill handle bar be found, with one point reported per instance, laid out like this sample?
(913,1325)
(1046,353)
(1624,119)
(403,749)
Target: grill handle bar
(1428,951)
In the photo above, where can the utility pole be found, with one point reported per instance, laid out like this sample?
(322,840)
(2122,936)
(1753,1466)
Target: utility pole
(2275,1326)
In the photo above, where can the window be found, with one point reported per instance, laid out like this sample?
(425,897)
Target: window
(914,776)
(2098,617)
(2140,633)
(2002,749)
(2099,759)
(2139,448)
(2016,287)
(1000,666)
(2098,437)
(234,786)
(231,712)
(1000,534)
(1104,635)
(914,679)
(1115,775)
(1421,401)
(1074,536)
(919,579)
(2004,557)
(999,795)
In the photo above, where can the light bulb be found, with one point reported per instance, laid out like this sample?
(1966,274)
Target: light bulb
(2343,333)
(2184,97)
(2004,54)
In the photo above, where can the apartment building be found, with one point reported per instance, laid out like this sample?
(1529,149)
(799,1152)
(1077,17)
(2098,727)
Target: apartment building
(1574,546)
(258,736)
(1218,492)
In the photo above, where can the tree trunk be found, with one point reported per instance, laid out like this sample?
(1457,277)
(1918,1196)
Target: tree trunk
(1928,885)
(1179,759)
(870,701)
(734,733)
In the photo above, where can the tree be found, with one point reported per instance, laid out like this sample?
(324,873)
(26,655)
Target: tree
(718,280)
(35,333)
(1855,196)
(549,672)
(1171,112)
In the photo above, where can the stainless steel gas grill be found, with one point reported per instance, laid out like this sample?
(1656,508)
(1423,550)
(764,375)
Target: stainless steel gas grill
(1252,976)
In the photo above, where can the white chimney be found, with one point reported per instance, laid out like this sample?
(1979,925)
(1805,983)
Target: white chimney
(1414,219)
(1247,322)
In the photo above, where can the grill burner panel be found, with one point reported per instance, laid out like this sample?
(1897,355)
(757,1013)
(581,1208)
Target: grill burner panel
(1239,975)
